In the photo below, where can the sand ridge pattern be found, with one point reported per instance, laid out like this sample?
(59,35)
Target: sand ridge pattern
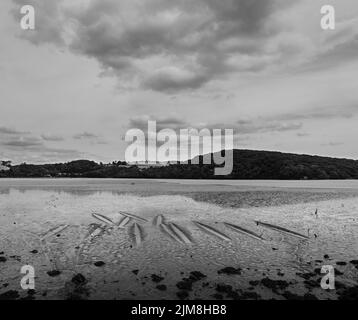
(180,234)
(136,230)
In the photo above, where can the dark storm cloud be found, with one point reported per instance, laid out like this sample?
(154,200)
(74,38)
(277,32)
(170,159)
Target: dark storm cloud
(162,45)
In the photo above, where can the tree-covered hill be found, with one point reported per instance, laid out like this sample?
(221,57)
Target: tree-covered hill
(247,164)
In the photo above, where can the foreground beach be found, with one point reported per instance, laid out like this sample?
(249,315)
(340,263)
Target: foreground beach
(48,223)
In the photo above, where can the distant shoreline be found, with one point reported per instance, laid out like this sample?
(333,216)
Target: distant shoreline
(246,165)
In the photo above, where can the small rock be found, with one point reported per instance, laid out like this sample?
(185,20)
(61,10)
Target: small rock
(34,251)
(161,287)
(355,263)
(274,284)
(326,256)
(9,295)
(99,263)
(337,272)
(185,284)
(182,295)
(79,279)
(3,259)
(230,271)
(230,293)
(318,261)
(280,274)
(349,294)
(341,263)
(31,292)
(291,296)
(53,273)
(309,296)
(196,275)
(156,278)
(225,288)
(218,296)
(250,295)
(135,271)
(317,270)
(17,258)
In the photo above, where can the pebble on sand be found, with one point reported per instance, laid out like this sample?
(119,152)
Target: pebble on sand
(218,296)
(196,275)
(53,273)
(79,279)
(161,287)
(230,271)
(182,295)
(274,284)
(185,284)
(156,278)
(9,295)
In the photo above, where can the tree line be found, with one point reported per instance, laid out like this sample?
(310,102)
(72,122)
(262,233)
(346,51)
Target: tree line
(247,164)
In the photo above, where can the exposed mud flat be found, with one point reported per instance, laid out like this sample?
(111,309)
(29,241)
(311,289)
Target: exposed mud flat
(110,245)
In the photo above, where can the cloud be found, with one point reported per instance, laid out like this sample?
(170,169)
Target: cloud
(346,111)
(52,137)
(302,134)
(49,16)
(336,48)
(332,144)
(265,126)
(60,153)
(171,122)
(23,142)
(85,135)
(240,126)
(166,46)
(173,79)
(11,131)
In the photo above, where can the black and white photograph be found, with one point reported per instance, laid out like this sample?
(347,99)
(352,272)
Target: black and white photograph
(179,150)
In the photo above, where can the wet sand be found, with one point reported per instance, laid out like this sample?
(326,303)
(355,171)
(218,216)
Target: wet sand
(92,259)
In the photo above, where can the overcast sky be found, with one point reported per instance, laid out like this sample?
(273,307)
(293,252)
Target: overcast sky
(94,68)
